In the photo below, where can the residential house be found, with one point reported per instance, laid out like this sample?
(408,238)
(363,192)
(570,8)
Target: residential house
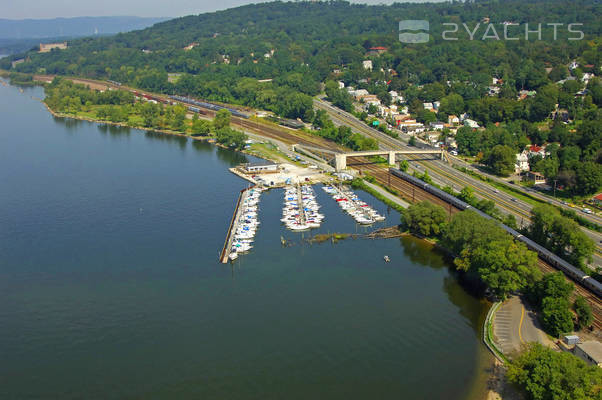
(341,85)
(410,125)
(453,120)
(359,94)
(470,123)
(535,177)
(598,200)
(522,162)
(587,76)
(428,106)
(367,64)
(376,51)
(436,105)
(535,150)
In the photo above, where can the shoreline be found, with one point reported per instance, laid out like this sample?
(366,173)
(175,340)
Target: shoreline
(498,371)
(209,139)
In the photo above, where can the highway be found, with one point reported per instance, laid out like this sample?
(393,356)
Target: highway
(444,174)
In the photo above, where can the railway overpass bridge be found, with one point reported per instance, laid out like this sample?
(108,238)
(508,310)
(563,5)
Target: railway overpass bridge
(341,158)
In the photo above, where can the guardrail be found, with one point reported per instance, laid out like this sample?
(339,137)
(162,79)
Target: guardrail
(488,336)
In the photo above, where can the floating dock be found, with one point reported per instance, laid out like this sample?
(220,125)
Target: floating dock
(302,214)
(226,250)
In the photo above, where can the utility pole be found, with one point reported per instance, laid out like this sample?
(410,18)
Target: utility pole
(555,180)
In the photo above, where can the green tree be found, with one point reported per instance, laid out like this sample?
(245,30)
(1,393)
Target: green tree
(231,138)
(178,118)
(560,235)
(544,374)
(551,285)
(404,165)
(467,195)
(505,265)
(583,311)
(200,127)
(452,104)
(501,160)
(424,218)
(222,119)
(556,316)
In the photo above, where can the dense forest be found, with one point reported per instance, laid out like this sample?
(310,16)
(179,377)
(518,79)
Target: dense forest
(276,56)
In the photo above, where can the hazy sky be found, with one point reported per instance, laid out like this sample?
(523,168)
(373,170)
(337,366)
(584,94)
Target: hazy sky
(19,9)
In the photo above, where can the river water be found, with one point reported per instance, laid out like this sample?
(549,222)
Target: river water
(110,285)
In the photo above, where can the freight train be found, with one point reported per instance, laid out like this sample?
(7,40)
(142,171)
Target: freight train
(571,271)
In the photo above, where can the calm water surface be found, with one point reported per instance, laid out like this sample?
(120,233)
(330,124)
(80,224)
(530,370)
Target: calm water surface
(110,287)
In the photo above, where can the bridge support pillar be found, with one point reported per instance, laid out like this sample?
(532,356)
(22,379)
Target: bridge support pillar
(391,158)
(340,162)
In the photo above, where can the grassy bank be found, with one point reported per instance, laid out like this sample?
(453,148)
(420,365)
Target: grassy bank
(359,183)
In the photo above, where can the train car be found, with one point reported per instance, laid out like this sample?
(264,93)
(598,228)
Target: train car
(209,106)
(570,270)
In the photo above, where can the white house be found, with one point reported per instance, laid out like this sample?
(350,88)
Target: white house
(367,64)
(470,123)
(436,105)
(428,106)
(522,162)
(360,93)
(341,85)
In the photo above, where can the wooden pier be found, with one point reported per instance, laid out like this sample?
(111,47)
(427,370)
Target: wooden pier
(225,254)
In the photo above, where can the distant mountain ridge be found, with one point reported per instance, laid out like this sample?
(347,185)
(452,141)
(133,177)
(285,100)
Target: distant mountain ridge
(72,27)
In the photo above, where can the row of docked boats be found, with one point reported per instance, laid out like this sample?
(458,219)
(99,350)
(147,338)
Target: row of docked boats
(301,210)
(247,223)
(351,203)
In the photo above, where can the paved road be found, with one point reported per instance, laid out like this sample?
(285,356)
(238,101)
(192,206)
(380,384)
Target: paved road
(515,325)
(444,174)
(388,195)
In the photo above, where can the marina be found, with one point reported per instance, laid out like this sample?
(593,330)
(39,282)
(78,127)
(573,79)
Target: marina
(300,211)
(130,257)
(351,203)
(243,225)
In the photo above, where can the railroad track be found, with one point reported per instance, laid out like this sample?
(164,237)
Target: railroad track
(408,191)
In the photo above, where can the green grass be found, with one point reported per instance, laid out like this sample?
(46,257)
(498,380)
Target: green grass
(360,184)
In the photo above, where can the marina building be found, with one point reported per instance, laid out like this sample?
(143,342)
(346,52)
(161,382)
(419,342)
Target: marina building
(261,167)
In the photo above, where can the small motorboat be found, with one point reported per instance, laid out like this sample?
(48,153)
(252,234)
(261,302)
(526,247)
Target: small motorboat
(386,258)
